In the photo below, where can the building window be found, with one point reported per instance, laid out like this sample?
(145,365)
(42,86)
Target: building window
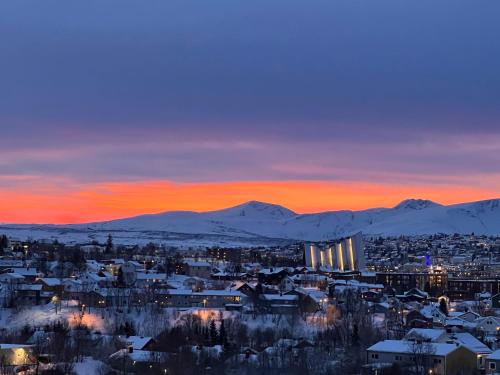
(437,361)
(399,358)
(374,356)
(493,366)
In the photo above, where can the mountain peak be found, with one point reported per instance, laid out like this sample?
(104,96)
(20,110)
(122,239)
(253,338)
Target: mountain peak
(416,204)
(256,208)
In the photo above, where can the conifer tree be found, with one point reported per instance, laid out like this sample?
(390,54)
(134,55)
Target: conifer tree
(213,332)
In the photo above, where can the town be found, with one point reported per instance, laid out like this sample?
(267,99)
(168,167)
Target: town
(355,305)
(249,187)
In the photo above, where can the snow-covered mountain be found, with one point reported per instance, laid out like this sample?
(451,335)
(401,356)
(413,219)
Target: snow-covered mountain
(247,219)
(254,222)
(412,216)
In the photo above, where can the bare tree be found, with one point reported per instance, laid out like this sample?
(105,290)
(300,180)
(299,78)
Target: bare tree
(421,351)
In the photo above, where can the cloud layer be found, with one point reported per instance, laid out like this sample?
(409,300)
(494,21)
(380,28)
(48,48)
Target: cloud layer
(380,93)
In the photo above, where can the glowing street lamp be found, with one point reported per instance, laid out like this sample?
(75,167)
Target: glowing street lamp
(83,309)
(55,301)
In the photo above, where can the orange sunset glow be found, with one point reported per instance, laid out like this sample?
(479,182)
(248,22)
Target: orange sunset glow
(107,201)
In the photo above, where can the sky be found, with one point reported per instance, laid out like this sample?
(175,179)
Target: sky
(121,107)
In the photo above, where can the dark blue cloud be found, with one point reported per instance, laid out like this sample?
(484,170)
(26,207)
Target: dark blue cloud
(229,64)
(122,71)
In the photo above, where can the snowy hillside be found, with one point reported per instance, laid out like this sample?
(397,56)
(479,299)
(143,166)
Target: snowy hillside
(412,216)
(256,222)
(247,219)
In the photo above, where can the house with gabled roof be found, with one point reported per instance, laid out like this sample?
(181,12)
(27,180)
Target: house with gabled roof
(436,358)
(489,325)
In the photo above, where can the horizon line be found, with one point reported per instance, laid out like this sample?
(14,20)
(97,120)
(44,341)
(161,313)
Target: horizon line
(247,202)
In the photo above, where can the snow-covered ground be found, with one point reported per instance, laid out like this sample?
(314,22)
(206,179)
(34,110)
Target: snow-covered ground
(128,237)
(147,322)
(88,366)
(38,316)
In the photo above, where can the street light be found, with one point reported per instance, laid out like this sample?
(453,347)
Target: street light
(55,301)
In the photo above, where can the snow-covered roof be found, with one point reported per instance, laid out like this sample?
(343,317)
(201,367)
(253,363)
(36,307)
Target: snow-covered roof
(14,346)
(232,293)
(137,342)
(455,322)
(25,271)
(432,334)
(138,266)
(12,275)
(368,274)
(416,292)
(208,292)
(310,277)
(150,276)
(51,281)
(11,263)
(32,287)
(470,342)
(194,263)
(429,311)
(357,284)
(495,355)
(238,284)
(271,271)
(139,355)
(97,276)
(314,293)
(114,292)
(224,273)
(405,347)
(277,297)
(462,315)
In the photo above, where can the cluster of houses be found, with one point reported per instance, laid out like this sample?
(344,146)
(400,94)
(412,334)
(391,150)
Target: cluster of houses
(442,336)
(440,332)
(117,283)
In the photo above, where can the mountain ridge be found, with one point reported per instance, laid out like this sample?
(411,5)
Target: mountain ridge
(254,218)
(257,223)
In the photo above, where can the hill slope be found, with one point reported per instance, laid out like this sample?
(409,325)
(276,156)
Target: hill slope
(253,219)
